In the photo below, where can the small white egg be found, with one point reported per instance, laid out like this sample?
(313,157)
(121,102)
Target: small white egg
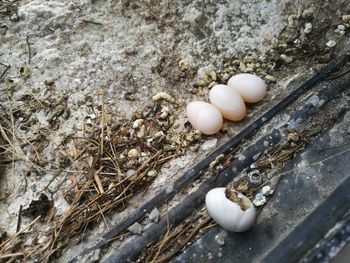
(204,117)
(228,101)
(251,87)
(228,214)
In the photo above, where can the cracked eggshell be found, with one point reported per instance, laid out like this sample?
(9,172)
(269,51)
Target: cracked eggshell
(228,214)
(204,117)
(251,87)
(228,101)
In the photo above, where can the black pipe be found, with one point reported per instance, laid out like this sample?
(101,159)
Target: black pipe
(315,227)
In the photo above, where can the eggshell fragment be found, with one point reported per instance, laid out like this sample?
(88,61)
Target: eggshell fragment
(251,87)
(227,214)
(204,117)
(228,101)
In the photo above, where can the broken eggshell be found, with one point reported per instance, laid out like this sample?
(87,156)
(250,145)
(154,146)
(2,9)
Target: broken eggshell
(228,101)
(204,117)
(229,214)
(251,87)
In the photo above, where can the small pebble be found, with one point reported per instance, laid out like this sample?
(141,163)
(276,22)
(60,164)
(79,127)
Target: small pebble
(267,190)
(212,84)
(346,18)
(163,96)
(152,173)
(154,215)
(130,173)
(137,123)
(225,77)
(341,27)
(49,82)
(135,228)
(293,136)
(242,67)
(259,199)
(286,59)
(270,78)
(308,28)
(164,112)
(331,43)
(133,153)
(220,239)
(308,13)
(248,70)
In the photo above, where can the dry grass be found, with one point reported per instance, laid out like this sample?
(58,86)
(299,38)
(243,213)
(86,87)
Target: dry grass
(176,239)
(101,182)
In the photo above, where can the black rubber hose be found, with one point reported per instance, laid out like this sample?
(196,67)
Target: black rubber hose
(315,227)
(132,248)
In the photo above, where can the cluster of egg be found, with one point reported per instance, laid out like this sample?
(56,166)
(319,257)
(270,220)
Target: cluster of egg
(226,101)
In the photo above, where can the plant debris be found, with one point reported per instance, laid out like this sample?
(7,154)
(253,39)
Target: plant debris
(176,239)
(103,181)
(232,195)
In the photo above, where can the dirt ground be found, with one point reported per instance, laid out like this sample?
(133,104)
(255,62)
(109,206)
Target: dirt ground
(78,77)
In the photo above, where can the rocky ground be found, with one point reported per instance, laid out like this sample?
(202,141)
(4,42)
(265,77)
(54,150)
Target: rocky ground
(93,96)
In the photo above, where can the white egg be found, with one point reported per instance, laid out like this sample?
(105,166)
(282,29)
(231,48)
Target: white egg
(204,117)
(228,214)
(251,87)
(228,101)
